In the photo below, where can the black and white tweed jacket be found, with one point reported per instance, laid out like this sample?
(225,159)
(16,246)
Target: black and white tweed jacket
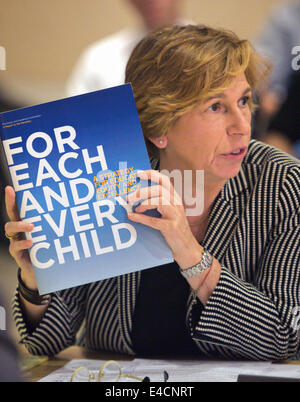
(253,313)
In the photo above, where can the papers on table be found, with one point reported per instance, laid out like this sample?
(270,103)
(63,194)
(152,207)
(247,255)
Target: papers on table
(180,370)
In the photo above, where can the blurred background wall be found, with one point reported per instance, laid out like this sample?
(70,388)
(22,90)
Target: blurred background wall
(44,38)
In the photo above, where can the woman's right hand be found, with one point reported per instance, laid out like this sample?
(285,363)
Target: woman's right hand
(19,246)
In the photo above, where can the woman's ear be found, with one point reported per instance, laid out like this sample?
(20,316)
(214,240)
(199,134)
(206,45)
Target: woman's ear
(159,142)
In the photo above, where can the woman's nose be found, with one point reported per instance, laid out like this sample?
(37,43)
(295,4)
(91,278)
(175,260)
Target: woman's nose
(240,122)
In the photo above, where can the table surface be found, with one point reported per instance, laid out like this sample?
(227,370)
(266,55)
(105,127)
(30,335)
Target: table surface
(76,352)
(73,352)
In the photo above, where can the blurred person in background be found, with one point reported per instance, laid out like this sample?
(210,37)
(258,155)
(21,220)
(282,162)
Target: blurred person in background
(278,121)
(9,369)
(284,127)
(102,64)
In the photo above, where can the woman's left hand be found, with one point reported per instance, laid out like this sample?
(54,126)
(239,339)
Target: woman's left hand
(173,223)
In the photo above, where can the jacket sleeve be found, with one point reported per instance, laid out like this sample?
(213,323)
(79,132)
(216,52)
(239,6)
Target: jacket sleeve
(58,328)
(260,320)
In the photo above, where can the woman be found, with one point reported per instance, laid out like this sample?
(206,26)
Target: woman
(193,89)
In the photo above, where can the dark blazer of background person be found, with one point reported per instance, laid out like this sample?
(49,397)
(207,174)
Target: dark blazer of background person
(287,120)
(9,370)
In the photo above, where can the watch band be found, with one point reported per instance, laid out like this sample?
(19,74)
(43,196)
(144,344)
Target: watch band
(32,296)
(206,262)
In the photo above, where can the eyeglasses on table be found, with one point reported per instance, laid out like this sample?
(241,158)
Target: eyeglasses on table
(110,371)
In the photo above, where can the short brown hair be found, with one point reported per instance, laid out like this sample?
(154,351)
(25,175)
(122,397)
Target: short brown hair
(176,67)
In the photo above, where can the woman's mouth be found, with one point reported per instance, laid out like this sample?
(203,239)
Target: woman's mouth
(236,154)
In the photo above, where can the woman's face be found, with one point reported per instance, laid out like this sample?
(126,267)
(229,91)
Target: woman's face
(204,138)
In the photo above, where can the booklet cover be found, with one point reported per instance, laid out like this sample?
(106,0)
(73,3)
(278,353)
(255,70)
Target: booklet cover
(72,162)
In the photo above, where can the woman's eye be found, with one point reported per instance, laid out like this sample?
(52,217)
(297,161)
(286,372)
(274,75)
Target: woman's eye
(215,107)
(244,100)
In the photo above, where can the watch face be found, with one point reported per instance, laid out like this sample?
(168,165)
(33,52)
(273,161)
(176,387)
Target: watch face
(195,270)
(205,263)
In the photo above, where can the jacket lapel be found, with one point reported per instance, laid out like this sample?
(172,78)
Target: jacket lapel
(223,219)
(224,215)
(221,228)
(127,290)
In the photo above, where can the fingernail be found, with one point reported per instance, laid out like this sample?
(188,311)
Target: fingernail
(141,174)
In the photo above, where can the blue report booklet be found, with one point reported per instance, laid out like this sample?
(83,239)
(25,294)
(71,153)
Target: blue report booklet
(72,162)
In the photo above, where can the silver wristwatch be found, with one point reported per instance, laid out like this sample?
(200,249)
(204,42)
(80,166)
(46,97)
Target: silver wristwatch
(205,263)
